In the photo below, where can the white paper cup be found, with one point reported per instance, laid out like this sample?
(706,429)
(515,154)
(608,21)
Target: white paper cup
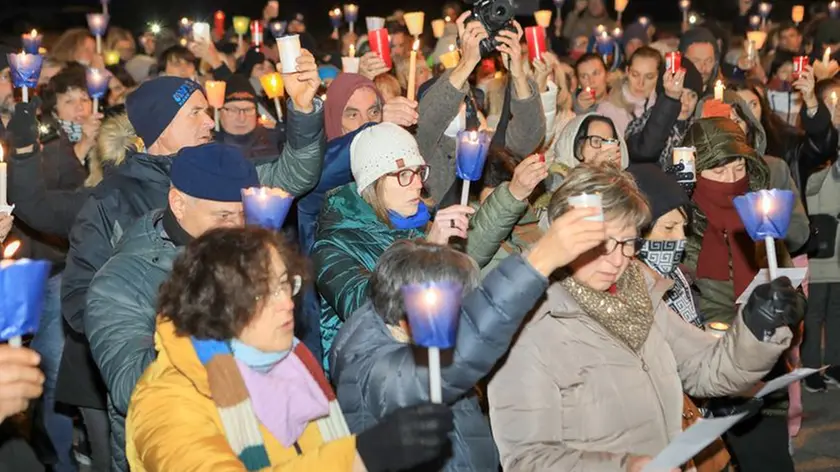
(288,48)
(350,64)
(685,156)
(201,32)
(717,329)
(588,201)
(374,23)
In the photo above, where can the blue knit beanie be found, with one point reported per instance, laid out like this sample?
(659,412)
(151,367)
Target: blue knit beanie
(155,103)
(213,171)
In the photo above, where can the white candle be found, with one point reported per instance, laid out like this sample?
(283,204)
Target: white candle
(352,50)
(769,242)
(431,298)
(833,101)
(412,71)
(588,201)
(826,56)
(717,329)
(3,201)
(289,49)
(719,88)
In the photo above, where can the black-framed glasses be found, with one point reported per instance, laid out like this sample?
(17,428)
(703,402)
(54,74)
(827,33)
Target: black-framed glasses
(597,142)
(406,176)
(251,111)
(629,247)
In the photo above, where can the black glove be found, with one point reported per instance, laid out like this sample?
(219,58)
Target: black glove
(685,179)
(23,127)
(721,407)
(406,438)
(772,306)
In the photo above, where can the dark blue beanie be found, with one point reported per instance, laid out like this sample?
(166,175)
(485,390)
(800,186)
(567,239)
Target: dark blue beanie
(155,103)
(213,171)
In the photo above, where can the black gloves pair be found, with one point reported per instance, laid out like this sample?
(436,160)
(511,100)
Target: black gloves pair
(772,306)
(406,438)
(23,127)
(685,179)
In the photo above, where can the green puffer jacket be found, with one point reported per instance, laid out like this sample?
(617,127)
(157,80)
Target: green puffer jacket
(351,238)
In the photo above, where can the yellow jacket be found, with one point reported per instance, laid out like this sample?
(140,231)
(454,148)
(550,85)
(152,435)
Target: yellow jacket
(174,426)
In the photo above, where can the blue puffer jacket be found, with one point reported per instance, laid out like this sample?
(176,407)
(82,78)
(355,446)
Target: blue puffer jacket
(375,374)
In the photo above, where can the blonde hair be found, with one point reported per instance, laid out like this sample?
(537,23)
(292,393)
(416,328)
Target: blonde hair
(117,34)
(116,138)
(621,198)
(64,49)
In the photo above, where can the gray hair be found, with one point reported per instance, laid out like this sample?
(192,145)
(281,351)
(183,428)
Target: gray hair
(409,262)
(621,198)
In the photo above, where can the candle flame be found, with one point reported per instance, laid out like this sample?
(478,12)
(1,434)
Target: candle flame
(185,21)
(336,12)
(352,50)
(431,297)
(834,98)
(263,192)
(416,45)
(451,47)
(11,249)
(33,33)
(220,14)
(766,204)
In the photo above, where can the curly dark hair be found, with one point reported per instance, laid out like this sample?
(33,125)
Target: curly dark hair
(215,286)
(71,77)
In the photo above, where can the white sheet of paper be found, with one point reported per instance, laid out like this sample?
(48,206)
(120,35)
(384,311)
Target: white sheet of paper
(690,442)
(796,276)
(781,382)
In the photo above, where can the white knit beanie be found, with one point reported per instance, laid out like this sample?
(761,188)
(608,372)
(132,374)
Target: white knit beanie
(382,149)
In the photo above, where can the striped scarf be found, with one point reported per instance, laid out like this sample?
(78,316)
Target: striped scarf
(242,428)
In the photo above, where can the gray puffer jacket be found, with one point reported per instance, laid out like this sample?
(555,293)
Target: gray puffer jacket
(375,374)
(120,317)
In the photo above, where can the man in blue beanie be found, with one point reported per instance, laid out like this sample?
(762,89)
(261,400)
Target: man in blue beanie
(207,182)
(168,114)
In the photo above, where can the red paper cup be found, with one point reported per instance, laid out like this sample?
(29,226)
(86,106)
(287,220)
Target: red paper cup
(673,61)
(379,44)
(799,64)
(536,42)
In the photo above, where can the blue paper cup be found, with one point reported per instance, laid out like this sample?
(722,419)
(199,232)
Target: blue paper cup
(433,310)
(25,69)
(97,82)
(766,213)
(22,285)
(471,149)
(266,207)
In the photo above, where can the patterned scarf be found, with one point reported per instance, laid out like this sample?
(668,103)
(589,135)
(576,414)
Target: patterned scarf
(664,258)
(72,129)
(233,399)
(675,139)
(627,314)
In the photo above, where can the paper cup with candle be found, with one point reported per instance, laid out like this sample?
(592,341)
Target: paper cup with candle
(97,23)
(22,286)
(797,14)
(215,90)
(288,48)
(201,32)
(381,45)
(433,309)
(450,59)
(351,14)
(374,23)
(588,200)
(25,69)
(241,24)
(219,24)
(673,61)
(272,84)
(535,36)
(32,42)
(438,28)
(758,37)
(414,22)
(799,65)
(717,328)
(185,27)
(834,9)
(471,149)
(97,84)
(335,18)
(278,28)
(350,65)
(543,18)
(766,215)
(266,207)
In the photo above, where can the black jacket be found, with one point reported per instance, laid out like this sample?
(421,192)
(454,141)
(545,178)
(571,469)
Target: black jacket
(647,146)
(260,145)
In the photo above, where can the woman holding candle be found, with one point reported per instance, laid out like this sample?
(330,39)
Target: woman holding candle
(616,400)
(360,220)
(638,91)
(240,364)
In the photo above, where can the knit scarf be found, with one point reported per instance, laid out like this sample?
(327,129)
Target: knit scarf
(627,314)
(285,400)
(675,138)
(418,220)
(724,238)
(664,258)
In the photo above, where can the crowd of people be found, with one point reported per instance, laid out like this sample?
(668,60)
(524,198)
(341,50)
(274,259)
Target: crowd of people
(174,336)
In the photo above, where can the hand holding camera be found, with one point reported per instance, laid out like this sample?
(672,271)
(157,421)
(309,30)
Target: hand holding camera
(508,44)
(471,35)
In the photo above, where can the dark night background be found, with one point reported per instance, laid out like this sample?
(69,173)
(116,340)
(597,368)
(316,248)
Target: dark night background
(17,16)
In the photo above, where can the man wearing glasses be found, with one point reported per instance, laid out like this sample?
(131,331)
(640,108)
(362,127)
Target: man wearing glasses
(241,124)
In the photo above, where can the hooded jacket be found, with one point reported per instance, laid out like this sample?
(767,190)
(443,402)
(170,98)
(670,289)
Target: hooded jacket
(365,356)
(566,151)
(338,95)
(702,35)
(120,316)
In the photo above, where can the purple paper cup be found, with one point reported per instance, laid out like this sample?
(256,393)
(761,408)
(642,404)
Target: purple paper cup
(25,69)
(433,310)
(766,213)
(471,149)
(266,207)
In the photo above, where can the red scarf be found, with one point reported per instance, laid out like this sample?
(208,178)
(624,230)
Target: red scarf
(725,238)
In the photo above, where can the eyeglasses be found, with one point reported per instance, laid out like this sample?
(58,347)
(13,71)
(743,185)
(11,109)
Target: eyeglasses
(285,290)
(406,177)
(252,111)
(629,247)
(598,142)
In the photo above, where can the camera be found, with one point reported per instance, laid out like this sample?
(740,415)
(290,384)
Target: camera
(495,16)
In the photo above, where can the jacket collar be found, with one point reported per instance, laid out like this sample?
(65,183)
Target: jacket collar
(174,231)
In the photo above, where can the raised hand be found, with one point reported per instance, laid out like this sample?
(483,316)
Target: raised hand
(450,222)
(302,85)
(527,175)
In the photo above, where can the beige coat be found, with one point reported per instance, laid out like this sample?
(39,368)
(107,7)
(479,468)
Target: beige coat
(571,397)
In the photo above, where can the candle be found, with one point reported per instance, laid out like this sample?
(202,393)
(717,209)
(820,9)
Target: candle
(112,58)
(692,19)
(717,329)
(471,148)
(240,26)
(278,28)
(450,59)
(185,27)
(256,34)
(599,30)
(617,33)
(266,207)
(769,242)
(414,22)
(588,201)
(97,23)
(797,14)
(272,84)
(288,48)
(535,37)
(826,56)
(590,92)
(219,24)
(4,203)
(374,23)
(685,156)
(685,5)
(335,19)
(380,44)
(620,6)
(755,21)
(833,9)
(350,65)
(438,28)
(22,286)
(25,70)
(751,53)
(32,42)
(97,85)
(201,32)
(543,18)
(766,215)
(764,9)
(833,101)
(606,48)
(215,90)
(448,19)
(644,21)
(351,14)
(758,37)
(352,50)
(154,28)
(412,70)
(719,88)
